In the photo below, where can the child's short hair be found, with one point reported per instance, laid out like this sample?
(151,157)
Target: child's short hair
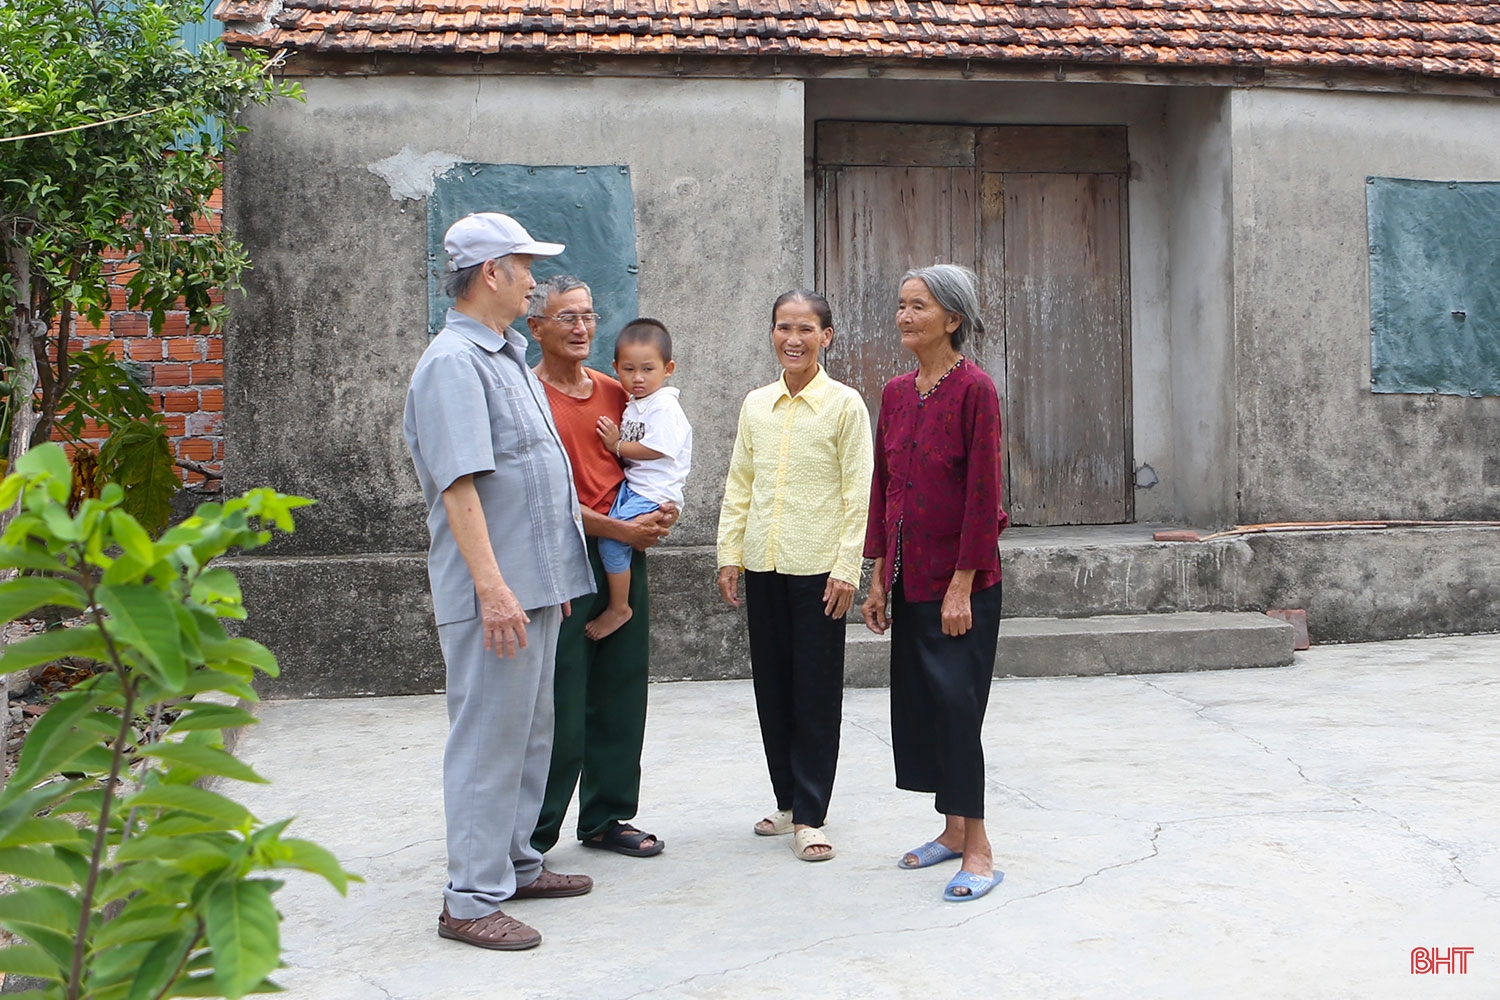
(645,330)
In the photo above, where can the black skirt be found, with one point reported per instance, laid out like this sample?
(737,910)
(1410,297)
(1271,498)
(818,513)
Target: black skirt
(940,687)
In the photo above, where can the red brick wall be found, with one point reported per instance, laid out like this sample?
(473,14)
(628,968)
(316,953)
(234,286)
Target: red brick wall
(184,373)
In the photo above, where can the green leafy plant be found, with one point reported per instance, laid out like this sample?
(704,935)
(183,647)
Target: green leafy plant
(108,162)
(144,884)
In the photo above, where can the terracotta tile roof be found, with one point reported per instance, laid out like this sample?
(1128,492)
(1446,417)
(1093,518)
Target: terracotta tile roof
(1432,38)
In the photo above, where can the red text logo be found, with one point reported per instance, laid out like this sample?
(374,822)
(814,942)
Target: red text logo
(1426,961)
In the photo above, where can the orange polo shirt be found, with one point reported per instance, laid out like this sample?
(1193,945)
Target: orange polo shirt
(596,472)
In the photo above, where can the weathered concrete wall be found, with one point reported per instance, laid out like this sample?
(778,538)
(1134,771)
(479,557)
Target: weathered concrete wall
(1142,111)
(1314,442)
(370,630)
(1200,226)
(333,318)
(1250,222)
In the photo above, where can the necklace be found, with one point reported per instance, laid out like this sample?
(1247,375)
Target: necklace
(922,396)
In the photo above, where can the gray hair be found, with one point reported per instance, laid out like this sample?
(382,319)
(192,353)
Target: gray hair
(558,284)
(956,289)
(458,284)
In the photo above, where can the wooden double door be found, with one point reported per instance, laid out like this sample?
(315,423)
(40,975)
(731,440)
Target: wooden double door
(1039,213)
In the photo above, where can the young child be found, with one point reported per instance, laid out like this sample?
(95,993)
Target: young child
(655,442)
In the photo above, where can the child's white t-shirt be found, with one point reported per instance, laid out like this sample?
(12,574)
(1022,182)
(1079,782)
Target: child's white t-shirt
(658,422)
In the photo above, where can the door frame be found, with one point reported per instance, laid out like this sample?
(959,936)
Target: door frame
(991,151)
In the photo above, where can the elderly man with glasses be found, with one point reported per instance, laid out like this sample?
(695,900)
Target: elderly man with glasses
(600,690)
(507,555)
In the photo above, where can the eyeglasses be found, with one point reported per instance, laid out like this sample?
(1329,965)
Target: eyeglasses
(570,319)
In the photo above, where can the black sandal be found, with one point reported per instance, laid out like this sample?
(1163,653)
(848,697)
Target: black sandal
(626,840)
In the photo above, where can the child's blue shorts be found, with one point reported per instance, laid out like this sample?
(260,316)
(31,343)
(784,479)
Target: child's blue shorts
(628,503)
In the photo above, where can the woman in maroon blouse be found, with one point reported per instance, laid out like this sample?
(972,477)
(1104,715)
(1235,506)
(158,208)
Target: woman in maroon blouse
(934,527)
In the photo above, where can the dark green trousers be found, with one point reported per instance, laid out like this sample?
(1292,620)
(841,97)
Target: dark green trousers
(600,695)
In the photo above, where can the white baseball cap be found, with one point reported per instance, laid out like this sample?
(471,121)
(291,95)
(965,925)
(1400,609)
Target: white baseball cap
(484,236)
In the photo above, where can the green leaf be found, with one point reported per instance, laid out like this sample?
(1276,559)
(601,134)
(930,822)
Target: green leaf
(138,456)
(207,715)
(49,460)
(310,857)
(79,640)
(246,652)
(143,618)
(128,569)
(131,537)
(204,986)
(201,680)
(40,830)
(197,761)
(10,489)
(39,864)
(22,802)
(56,739)
(19,598)
(244,932)
(39,910)
(217,586)
(17,557)
(29,960)
(138,921)
(199,854)
(186,798)
(60,524)
(161,964)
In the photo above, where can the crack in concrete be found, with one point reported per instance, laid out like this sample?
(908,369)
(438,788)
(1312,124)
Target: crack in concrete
(998,786)
(836,938)
(879,738)
(473,110)
(1015,792)
(398,850)
(1406,827)
(370,982)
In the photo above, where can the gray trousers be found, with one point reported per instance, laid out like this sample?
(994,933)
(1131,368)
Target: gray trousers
(495,765)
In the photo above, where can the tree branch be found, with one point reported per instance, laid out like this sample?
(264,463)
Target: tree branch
(202,470)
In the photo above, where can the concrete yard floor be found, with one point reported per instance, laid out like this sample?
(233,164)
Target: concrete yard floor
(1289,832)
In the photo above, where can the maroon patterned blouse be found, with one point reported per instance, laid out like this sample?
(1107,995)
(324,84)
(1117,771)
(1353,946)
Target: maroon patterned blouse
(936,489)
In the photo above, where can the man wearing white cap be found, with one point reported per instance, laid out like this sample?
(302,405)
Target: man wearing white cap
(507,556)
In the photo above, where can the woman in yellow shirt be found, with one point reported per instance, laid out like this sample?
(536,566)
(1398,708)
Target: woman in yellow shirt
(793,519)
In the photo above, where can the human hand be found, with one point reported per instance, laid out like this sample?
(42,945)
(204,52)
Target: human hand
(958,617)
(503,620)
(609,433)
(873,610)
(567,609)
(729,585)
(642,532)
(669,514)
(837,596)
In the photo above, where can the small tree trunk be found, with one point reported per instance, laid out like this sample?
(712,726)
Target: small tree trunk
(23,334)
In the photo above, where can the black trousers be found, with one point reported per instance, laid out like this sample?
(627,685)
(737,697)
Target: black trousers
(940,687)
(797,661)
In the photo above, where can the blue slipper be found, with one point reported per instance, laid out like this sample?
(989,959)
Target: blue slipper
(977,885)
(929,854)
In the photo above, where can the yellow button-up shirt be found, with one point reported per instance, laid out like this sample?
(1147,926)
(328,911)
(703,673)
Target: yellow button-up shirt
(798,490)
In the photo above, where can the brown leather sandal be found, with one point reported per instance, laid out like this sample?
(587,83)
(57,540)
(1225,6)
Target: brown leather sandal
(551,885)
(494,931)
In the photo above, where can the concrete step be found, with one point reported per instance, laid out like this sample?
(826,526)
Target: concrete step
(1105,644)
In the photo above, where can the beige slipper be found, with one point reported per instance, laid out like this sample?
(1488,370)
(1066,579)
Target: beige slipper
(811,837)
(781,824)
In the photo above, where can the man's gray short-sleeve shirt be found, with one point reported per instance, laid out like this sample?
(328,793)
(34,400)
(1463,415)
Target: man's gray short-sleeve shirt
(474,408)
